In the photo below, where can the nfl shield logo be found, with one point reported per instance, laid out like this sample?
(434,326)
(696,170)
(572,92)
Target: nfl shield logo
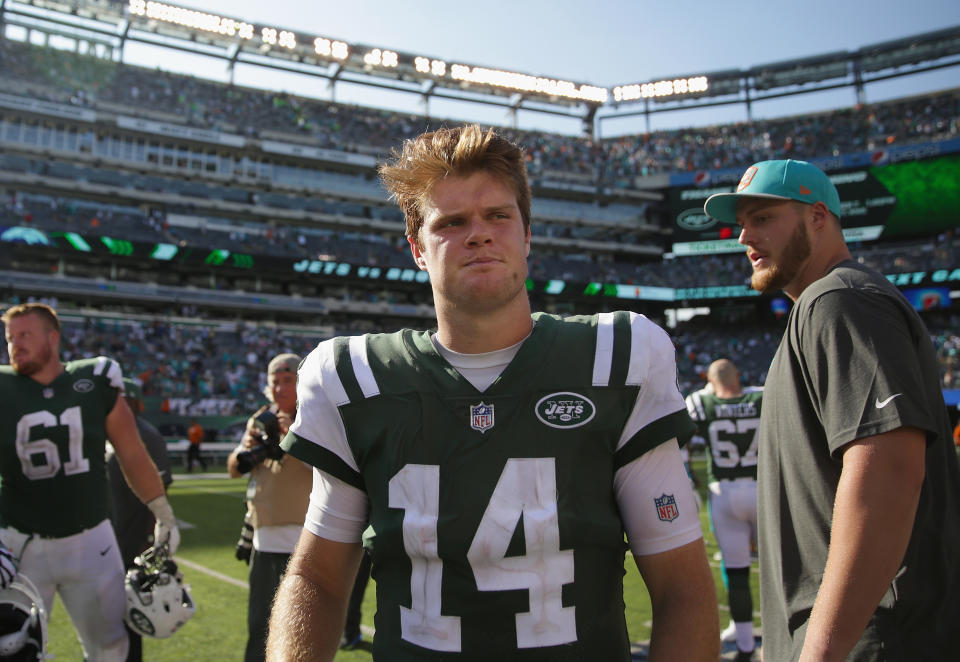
(666,508)
(481,417)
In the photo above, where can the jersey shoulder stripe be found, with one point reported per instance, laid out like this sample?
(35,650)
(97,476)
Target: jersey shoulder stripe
(612,349)
(647,342)
(358,359)
(695,406)
(610,335)
(343,369)
(99,366)
(622,347)
(361,367)
(104,367)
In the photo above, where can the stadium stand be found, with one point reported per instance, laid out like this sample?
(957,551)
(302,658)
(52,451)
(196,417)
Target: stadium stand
(263,176)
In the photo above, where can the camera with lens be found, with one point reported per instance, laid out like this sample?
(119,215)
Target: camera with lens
(245,543)
(267,432)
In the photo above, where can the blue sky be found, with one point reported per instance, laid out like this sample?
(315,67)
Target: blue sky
(603,42)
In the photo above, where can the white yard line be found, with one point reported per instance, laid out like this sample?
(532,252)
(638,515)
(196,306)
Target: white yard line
(213,573)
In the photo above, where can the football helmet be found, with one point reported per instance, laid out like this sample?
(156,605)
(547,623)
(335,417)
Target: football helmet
(23,622)
(158,602)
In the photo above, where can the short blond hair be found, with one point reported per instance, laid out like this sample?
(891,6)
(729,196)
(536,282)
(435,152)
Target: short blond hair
(424,161)
(45,312)
(723,372)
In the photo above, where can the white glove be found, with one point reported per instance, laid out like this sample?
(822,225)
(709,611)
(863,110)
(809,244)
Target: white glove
(8,566)
(165,531)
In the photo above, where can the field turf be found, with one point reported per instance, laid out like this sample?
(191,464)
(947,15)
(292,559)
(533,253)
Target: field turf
(211,512)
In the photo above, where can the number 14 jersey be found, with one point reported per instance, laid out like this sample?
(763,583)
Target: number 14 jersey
(494,527)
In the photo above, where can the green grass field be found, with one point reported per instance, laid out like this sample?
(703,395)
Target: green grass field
(211,512)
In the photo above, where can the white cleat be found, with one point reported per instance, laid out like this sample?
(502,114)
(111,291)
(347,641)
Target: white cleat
(729,634)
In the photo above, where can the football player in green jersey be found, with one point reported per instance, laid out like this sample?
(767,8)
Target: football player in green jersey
(727,417)
(54,504)
(498,461)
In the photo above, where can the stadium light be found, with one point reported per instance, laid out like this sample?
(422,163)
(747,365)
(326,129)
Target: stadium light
(425,65)
(512,80)
(380,58)
(369,60)
(676,87)
(191,18)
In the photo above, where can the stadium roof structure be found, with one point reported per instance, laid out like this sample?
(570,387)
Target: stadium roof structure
(113,23)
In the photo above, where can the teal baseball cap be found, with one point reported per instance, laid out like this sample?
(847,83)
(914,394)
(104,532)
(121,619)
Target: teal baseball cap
(779,180)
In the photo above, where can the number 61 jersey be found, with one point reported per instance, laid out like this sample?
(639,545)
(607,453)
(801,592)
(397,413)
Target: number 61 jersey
(52,437)
(494,527)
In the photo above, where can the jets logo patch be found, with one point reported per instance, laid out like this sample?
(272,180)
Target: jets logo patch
(565,410)
(83,386)
(481,417)
(666,507)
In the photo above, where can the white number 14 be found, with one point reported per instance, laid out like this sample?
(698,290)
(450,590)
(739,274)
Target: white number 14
(527,491)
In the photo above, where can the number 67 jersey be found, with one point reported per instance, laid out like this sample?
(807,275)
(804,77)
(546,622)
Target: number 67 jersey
(52,473)
(494,525)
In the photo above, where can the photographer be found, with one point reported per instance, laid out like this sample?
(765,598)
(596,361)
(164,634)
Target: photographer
(277,496)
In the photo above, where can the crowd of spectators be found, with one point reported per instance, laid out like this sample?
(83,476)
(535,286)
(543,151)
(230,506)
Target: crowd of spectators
(374,249)
(209,359)
(220,362)
(206,360)
(88,81)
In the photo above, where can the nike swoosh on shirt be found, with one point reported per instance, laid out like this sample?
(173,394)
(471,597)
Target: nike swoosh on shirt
(883,403)
(104,552)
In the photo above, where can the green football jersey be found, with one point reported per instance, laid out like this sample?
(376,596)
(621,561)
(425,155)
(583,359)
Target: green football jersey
(494,527)
(52,471)
(729,426)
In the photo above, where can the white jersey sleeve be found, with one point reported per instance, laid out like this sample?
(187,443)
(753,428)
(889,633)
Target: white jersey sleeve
(656,501)
(319,393)
(337,510)
(653,367)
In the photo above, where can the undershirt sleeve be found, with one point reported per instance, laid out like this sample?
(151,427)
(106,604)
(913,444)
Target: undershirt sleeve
(337,511)
(657,474)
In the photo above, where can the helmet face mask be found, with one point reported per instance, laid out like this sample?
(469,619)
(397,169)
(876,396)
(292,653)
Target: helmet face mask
(158,602)
(23,622)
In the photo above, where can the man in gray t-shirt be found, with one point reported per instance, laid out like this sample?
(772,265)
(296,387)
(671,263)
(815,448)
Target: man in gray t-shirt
(859,488)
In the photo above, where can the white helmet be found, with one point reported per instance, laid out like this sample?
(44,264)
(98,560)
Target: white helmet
(23,622)
(158,602)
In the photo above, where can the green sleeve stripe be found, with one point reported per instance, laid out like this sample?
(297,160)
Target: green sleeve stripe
(622,336)
(677,424)
(321,458)
(341,358)
(360,360)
